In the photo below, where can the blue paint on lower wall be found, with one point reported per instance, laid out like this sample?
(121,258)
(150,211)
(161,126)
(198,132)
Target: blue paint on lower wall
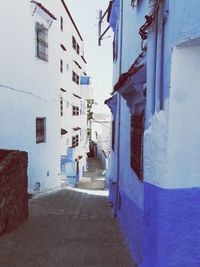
(130,217)
(112,193)
(171,227)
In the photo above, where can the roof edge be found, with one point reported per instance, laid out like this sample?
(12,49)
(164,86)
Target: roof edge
(44,9)
(72,20)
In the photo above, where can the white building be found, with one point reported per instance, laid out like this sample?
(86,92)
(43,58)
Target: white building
(75,89)
(101,136)
(39,88)
(28,89)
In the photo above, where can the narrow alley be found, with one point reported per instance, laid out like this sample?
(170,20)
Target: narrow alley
(70,227)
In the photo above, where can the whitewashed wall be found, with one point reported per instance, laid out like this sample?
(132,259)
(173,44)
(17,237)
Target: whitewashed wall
(34,93)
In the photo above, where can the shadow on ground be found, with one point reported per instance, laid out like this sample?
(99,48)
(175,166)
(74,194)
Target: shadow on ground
(66,228)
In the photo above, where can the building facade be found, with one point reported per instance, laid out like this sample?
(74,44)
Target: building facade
(29,97)
(41,102)
(101,135)
(153,178)
(75,90)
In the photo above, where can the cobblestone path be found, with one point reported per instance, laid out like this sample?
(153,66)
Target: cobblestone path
(66,228)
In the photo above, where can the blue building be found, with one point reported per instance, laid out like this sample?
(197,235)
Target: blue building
(154,177)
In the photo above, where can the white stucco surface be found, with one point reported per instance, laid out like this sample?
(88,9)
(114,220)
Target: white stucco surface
(28,89)
(172,146)
(155,150)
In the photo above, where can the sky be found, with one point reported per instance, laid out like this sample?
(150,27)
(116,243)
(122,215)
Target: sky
(99,59)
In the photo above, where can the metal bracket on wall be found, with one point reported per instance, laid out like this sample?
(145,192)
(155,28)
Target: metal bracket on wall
(101,18)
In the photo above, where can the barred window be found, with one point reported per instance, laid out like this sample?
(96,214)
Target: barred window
(136,151)
(61,65)
(77,49)
(75,110)
(40,130)
(75,140)
(61,23)
(41,42)
(73,42)
(75,77)
(61,106)
(75,45)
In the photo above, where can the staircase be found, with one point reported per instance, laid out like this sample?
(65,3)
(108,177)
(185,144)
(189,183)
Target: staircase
(91,184)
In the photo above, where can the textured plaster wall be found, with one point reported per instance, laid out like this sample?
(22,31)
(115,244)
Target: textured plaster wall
(184,146)
(133,19)
(128,180)
(131,220)
(176,126)
(114,156)
(38,80)
(185,18)
(171,227)
(155,149)
(171,147)
(13,189)
(171,142)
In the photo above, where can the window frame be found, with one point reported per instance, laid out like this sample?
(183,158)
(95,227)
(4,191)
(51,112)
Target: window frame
(41,43)
(40,130)
(75,111)
(61,65)
(136,144)
(75,77)
(75,140)
(75,45)
(61,107)
(61,23)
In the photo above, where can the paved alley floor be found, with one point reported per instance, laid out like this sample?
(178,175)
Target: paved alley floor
(95,168)
(66,228)
(94,178)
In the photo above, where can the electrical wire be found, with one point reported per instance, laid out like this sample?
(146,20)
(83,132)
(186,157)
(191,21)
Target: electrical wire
(22,91)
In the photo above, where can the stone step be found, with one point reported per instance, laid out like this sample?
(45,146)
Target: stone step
(95,185)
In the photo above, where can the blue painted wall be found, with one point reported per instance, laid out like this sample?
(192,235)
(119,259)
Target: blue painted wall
(160,223)
(171,227)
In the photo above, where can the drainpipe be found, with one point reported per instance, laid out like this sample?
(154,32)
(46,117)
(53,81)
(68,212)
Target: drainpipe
(159,61)
(119,108)
(164,14)
(151,65)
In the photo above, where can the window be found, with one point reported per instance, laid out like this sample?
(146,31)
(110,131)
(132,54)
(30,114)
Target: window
(75,111)
(75,45)
(41,42)
(40,130)
(73,42)
(75,140)
(61,106)
(113,135)
(77,49)
(75,77)
(61,23)
(136,142)
(61,65)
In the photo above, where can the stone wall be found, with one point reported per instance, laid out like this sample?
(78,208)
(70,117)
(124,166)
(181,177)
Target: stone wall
(13,189)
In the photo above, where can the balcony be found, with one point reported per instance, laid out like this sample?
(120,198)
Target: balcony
(86,88)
